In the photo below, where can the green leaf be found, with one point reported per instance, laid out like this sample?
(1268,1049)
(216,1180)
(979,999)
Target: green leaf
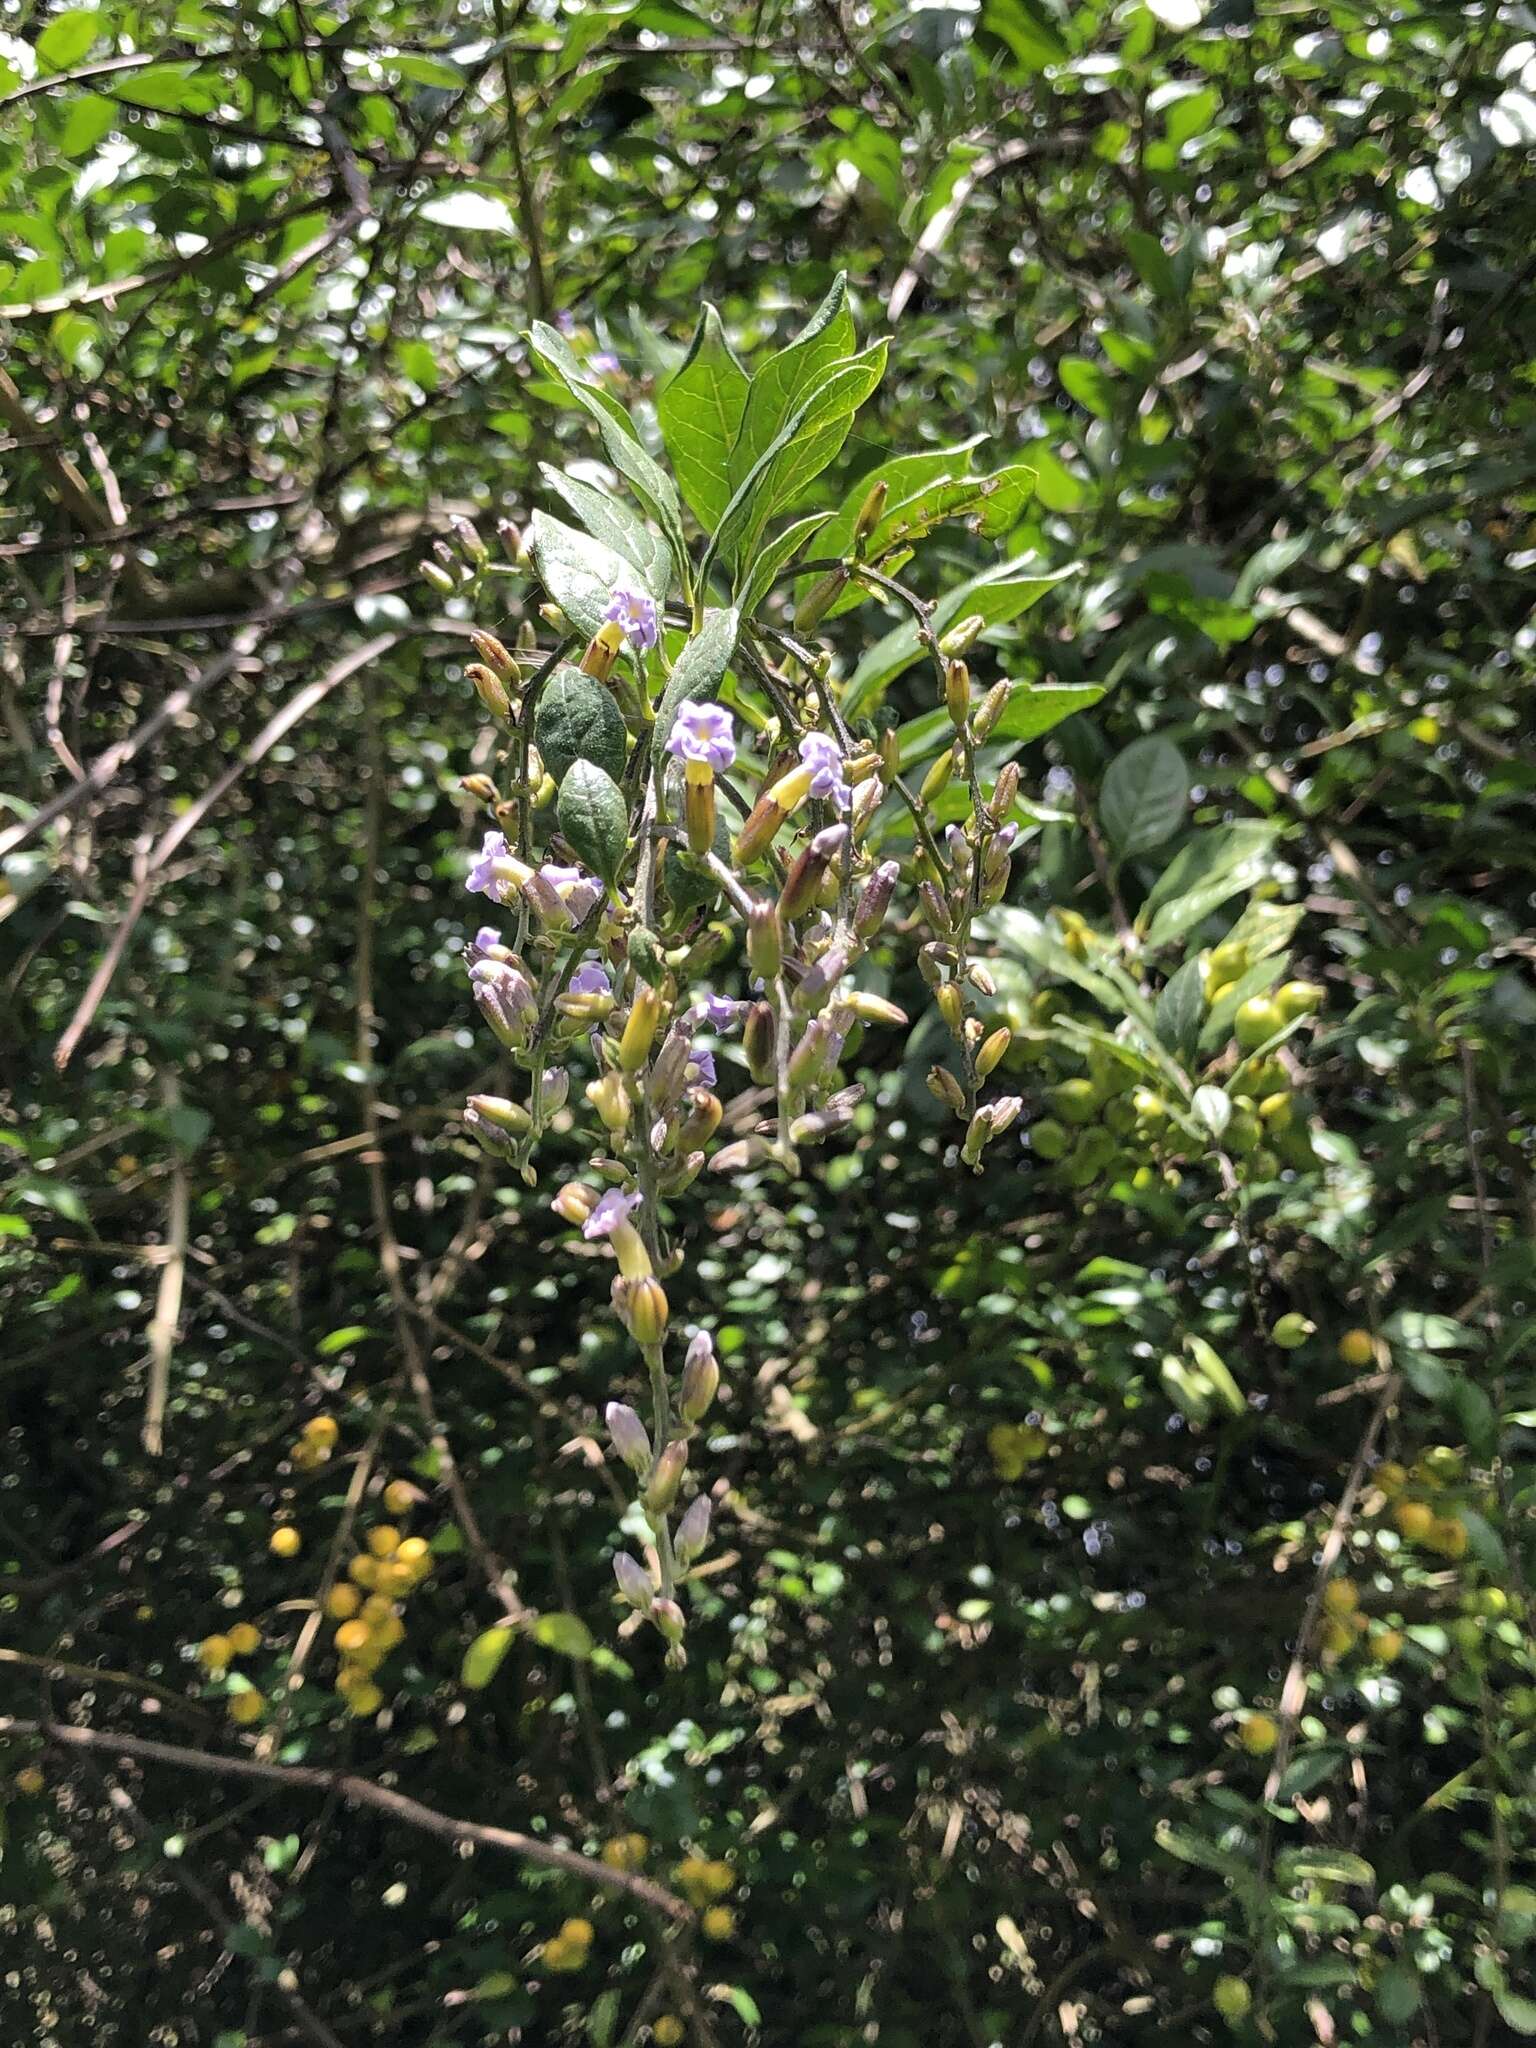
(1180,1009)
(578,720)
(484,1658)
(578,572)
(1204,872)
(169,88)
(997,595)
(567,1633)
(428,70)
(1145,790)
(1028,31)
(342,1340)
(772,560)
(746,2006)
(781,386)
(1153,264)
(700,412)
(1324,1865)
(68,37)
(1033,711)
(594,818)
(621,443)
(617,528)
(1089,383)
(699,668)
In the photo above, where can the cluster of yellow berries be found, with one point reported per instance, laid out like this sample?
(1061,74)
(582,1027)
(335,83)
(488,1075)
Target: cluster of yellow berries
(216,1653)
(704,1882)
(1418,1519)
(625,1852)
(1014,1446)
(315,1444)
(366,1604)
(568,1949)
(1345,1626)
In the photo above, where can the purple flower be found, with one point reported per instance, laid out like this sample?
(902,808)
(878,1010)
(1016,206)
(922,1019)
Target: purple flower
(635,613)
(609,1211)
(590,980)
(486,940)
(820,755)
(481,880)
(505,1000)
(719,1012)
(700,1069)
(577,890)
(703,732)
(605,362)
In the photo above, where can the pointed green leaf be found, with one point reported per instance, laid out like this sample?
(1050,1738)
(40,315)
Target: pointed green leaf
(998,594)
(1145,790)
(578,720)
(783,383)
(1204,872)
(616,527)
(700,413)
(567,1633)
(484,1658)
(578,572)
(699,668)
(774,559)
(594,818)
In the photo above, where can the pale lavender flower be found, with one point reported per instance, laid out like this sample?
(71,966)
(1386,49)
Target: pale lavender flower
(820,755)
(629,1436)
(635,613)
(577,890)
(486,940)
(721,1013)
(505,1000)
(590,980)
(605,362)
(481,879)
(700,1069)
(609,1211)
(703,732)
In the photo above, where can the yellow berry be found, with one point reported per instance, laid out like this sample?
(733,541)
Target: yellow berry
(1425,730)
(1337,1639)
(363,1571)
(364,1698)
(29,1779)
(560,1955)
(1388,1645)
(1231,1998)
(1413,1519)
(322,1430)
(1391,1477)
(1357,1349)
(245,1639)
(214,1653)
(352,1636)
(1258,1734)
(666,2030)
(1341,1597)
(389,1633)
(246,1707)
(376,1609)
(578,1931)
(307,1457)
(384,1541)
(341,1603)
(625,1852)
(1448,1535)
(285,1541)
(400,1497)
(393,1577)
(718,1879)
(414,1551)
(718,1924)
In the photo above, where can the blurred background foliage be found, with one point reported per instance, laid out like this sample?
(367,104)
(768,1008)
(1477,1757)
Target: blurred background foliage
(981,1688)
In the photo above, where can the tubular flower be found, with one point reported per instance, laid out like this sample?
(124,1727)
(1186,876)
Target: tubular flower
(821,773)
(634,613)
(610,1218)
(505,999)
(703,739)
(497,872)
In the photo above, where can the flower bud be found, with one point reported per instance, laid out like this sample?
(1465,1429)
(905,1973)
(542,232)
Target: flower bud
(505,1000)
(823,593)
(834,1115)
(1005,791)
(670,1619)
(875,900)
(991,1050)
(873,1009)
(640,1030)
(957,693)
(817,984)
(699,808)
(543,900)
(490,689)
(757,1039)
(951,1001)
(611,1099)
(496,658)
(978,1133)
(701,1379)
(991,709)
(871,512)
(682,1177)
(765,940)
(810,869)
(511,538)
(669,1072)
(469,539)
(702,1121)
(575,1202)
(495,1122)
(634,1581)
(758,829)
(554,1086)
(629,1437)
(438,578)
(1005,1111)
(867,799)
(692,1535)
(942,1083)
(936,781)
(666,1477)
(962,637)
(935,909)
(642,1308)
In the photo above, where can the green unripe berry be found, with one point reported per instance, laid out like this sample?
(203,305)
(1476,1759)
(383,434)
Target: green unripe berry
(1120,1115)
(1048,1139)
(1292,1331)
(1076,1101)
(1242,1134)
(1256,1020)
(1226,963)
(1232,1998)
(1299,999)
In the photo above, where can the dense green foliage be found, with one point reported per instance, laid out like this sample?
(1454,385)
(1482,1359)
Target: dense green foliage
(1093,1648)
